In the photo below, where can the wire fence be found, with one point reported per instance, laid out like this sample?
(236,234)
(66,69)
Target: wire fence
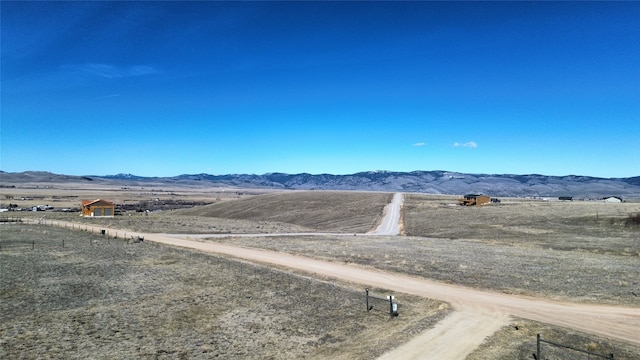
(564,352)
(44,242)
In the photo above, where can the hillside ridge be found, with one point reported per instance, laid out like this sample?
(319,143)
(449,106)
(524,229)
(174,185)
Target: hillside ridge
(420,181)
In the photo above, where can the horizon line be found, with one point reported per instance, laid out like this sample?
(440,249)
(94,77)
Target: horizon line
(312,174)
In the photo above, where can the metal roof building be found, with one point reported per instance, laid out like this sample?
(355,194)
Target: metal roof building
(97,207)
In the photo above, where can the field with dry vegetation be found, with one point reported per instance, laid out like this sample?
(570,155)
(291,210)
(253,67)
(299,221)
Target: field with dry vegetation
(518,341)
(582,226)
(152,302)
(73,294)
(321,211)
(280,212)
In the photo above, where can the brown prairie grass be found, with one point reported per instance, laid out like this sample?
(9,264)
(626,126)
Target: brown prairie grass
(324,211)
(518,341)
(280,212)
(106,298)
(580,251)
(581,226)
(633,220)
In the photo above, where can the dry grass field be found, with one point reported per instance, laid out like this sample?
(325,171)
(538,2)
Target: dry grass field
(576,251)
(92,297)
(280,212)
(518,341)
(591,226)
(322,211)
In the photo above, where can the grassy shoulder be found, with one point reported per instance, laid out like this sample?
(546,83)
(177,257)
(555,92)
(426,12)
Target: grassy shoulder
(518,341)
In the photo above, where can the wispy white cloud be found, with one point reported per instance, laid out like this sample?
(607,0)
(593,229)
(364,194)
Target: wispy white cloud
(470,144)
(73,76)
(111,71)
(418,144)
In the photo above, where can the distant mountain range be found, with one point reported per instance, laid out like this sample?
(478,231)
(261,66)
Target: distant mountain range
(431,182)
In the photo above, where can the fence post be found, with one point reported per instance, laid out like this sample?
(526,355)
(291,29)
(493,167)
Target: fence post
(538,347)
(366,291)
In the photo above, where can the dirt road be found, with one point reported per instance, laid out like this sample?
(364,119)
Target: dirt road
(390,224)
(609,321)
(615,322)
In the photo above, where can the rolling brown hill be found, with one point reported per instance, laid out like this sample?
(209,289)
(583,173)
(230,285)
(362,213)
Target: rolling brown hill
(429,182)
(320,210)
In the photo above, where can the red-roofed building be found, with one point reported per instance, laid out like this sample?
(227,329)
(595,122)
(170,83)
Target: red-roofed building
(97,207)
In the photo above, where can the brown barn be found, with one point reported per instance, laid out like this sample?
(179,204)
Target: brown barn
(474,199)
(97,207)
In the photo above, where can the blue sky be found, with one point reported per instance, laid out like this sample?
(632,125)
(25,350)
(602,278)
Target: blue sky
(163,88)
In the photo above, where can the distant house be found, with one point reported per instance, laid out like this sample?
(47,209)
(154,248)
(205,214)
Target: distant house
(565,198)
(613,199)
(41,208)
(474,199)
(97,207)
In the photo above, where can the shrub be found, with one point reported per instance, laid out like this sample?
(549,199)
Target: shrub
(633,220)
